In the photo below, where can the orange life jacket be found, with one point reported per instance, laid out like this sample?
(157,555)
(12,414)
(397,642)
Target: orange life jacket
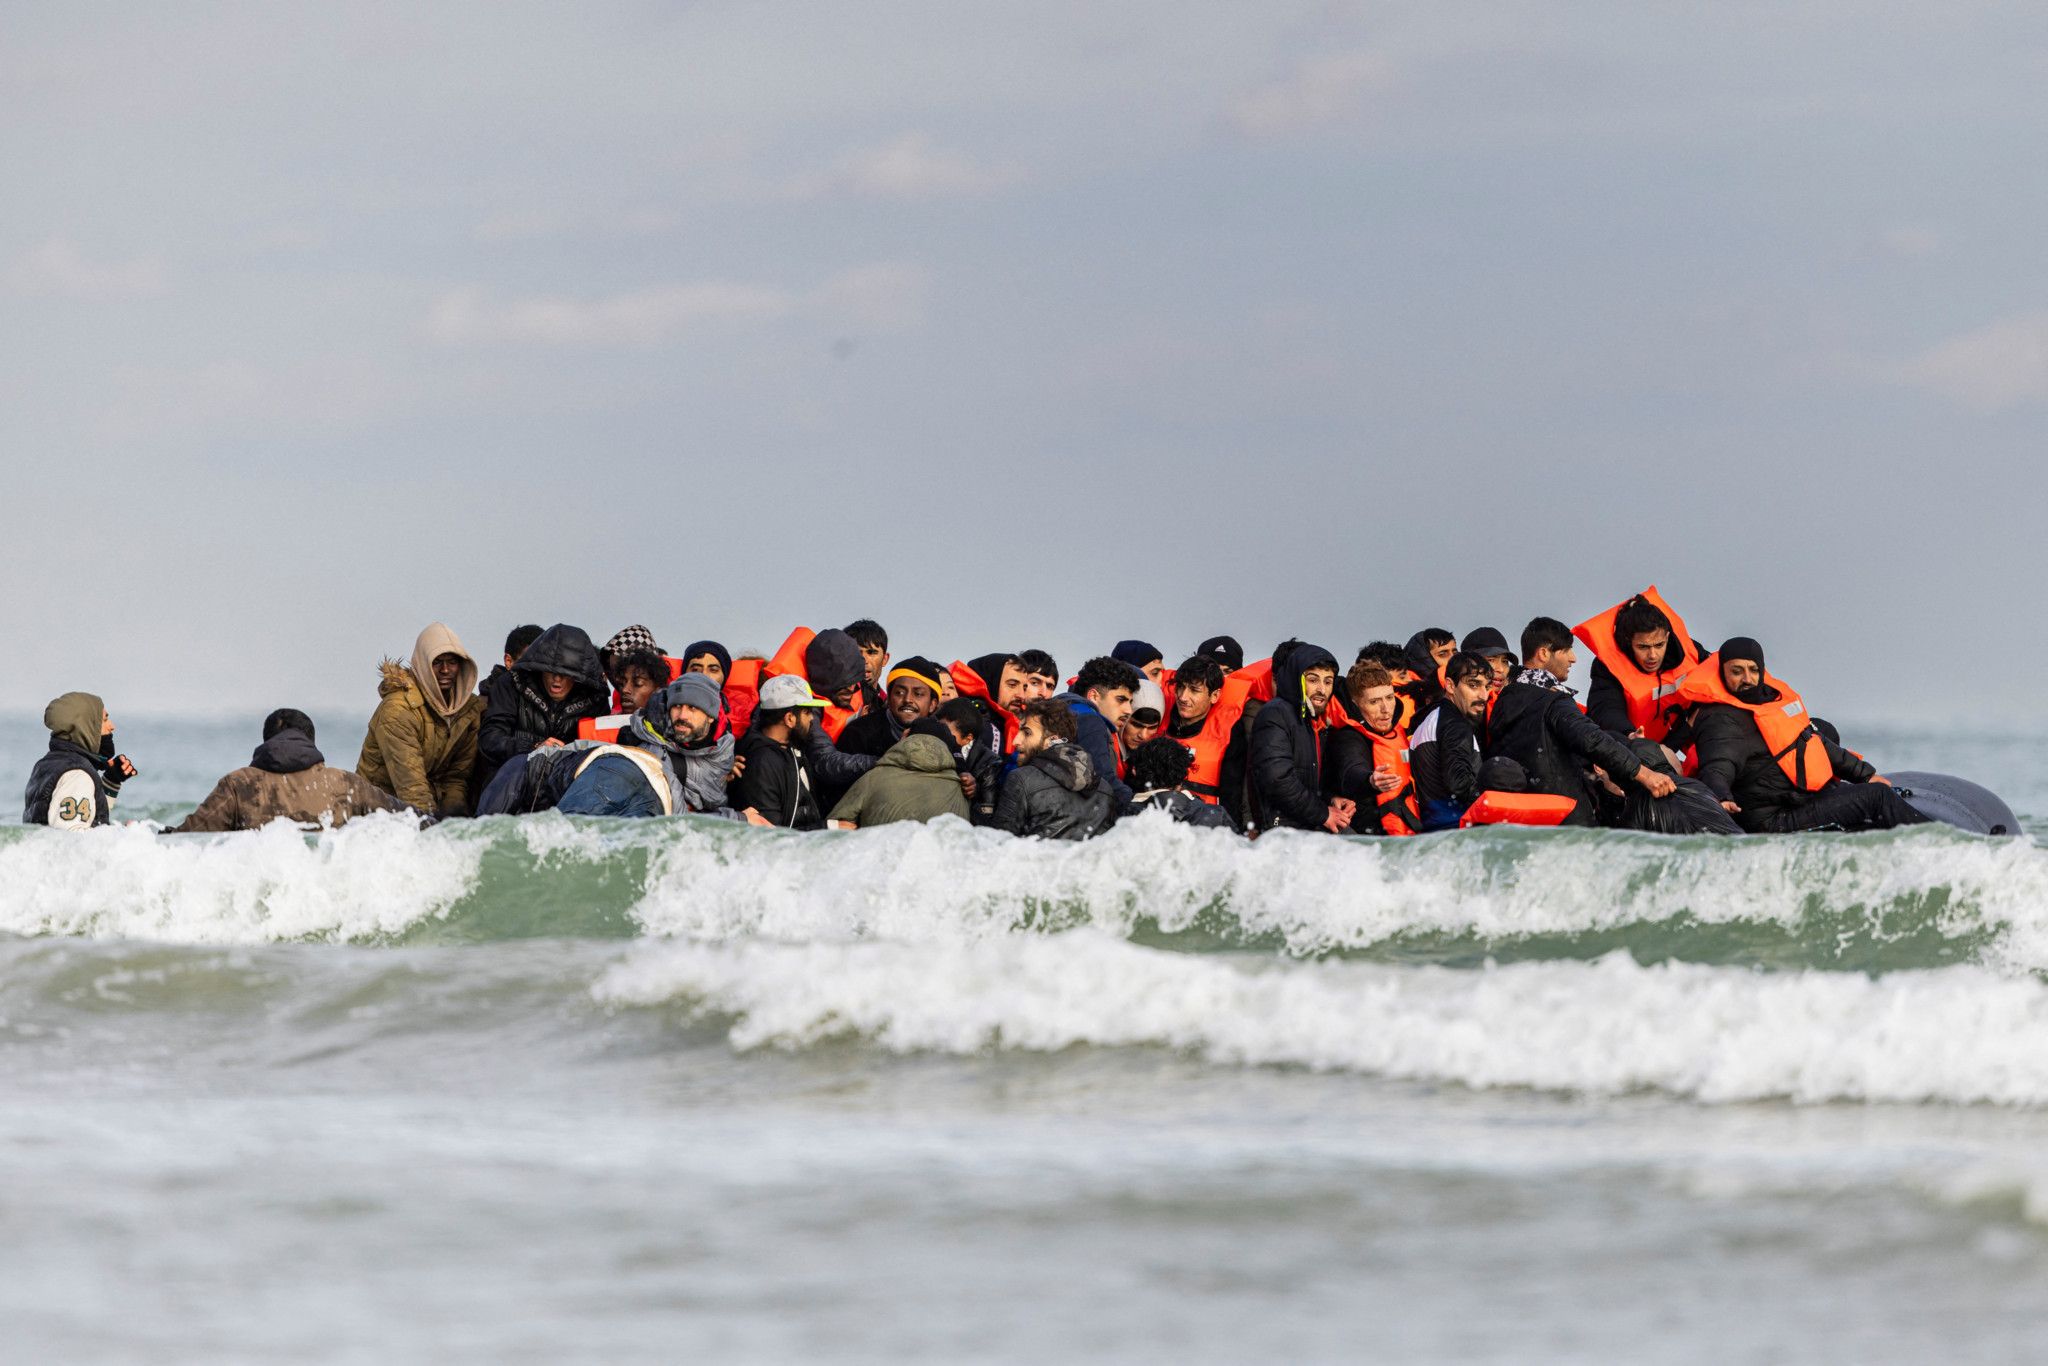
(970,685)
(1784,724)
(1652,697)
(1208,745)
(1396,812)
(1516,808)
(605,728)
(743,692)
(790,660)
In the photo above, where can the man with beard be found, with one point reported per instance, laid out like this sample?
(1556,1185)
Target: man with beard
(672,758)
(912,694)
(775,786)
(1761,755)
(1054,792)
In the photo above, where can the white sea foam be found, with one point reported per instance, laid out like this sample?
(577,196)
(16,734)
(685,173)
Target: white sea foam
(1962,1034)
(375,876)
(947,880)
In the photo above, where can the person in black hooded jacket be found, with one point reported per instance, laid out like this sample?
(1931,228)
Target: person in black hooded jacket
(1535,722)
(1285,751)
(552,687)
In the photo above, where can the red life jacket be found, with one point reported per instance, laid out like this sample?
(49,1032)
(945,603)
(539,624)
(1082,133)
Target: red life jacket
(1652,697)
(1784,724)
(1396,812)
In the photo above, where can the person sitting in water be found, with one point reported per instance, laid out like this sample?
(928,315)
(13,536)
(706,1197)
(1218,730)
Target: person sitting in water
(287,779)
(917,779)
(1536,723)
(75,784)
(1158,771)
(1762,757)
(1054,792)
(911,693)
(421,744)
(557,683)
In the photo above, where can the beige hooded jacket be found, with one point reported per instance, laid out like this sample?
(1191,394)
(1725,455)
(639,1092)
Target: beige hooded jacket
(421,744)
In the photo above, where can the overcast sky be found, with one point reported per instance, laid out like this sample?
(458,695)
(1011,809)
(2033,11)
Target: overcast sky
(1040,324)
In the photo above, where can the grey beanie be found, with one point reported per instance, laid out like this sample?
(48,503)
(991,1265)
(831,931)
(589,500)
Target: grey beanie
(696,690)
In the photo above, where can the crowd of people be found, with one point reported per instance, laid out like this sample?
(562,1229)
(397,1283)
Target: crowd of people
(835,731)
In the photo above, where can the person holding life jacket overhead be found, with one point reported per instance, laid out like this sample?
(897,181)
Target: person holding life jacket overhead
(1365,754)
(1761,755)
(1641,653)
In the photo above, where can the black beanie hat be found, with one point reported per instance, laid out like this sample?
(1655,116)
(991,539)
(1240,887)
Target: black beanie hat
(699,648)
(1223,650)
(287,718)
(1742,647)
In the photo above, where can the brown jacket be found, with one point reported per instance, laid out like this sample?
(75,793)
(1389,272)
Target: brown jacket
(287,779)
(421,748)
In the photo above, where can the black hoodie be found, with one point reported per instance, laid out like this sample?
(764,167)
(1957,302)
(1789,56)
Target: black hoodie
(1544,731)
(518,713)
(1284,752)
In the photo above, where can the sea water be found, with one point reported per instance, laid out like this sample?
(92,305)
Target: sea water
(544,1090)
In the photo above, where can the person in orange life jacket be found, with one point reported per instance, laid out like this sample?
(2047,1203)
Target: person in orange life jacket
(1142,656)
(1157,769)
(1427,651)
(1227,654)
(1147,718)
(874,656)
(77,781)
(1443,751)
(912,694)
(1394,659)
(776,787)
(1101,703)
(1215,743)
(1041,675)
(1644,643)
(1490,645)
(1285,749)
(1734,700)
(1536,723)
(1371,765)
(1003,674)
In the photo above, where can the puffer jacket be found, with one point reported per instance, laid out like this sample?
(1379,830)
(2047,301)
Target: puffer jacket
(519,716)
(287,779)
(917,779)
(1055,795)
(1544,731)
(1285,750)
(416,754)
